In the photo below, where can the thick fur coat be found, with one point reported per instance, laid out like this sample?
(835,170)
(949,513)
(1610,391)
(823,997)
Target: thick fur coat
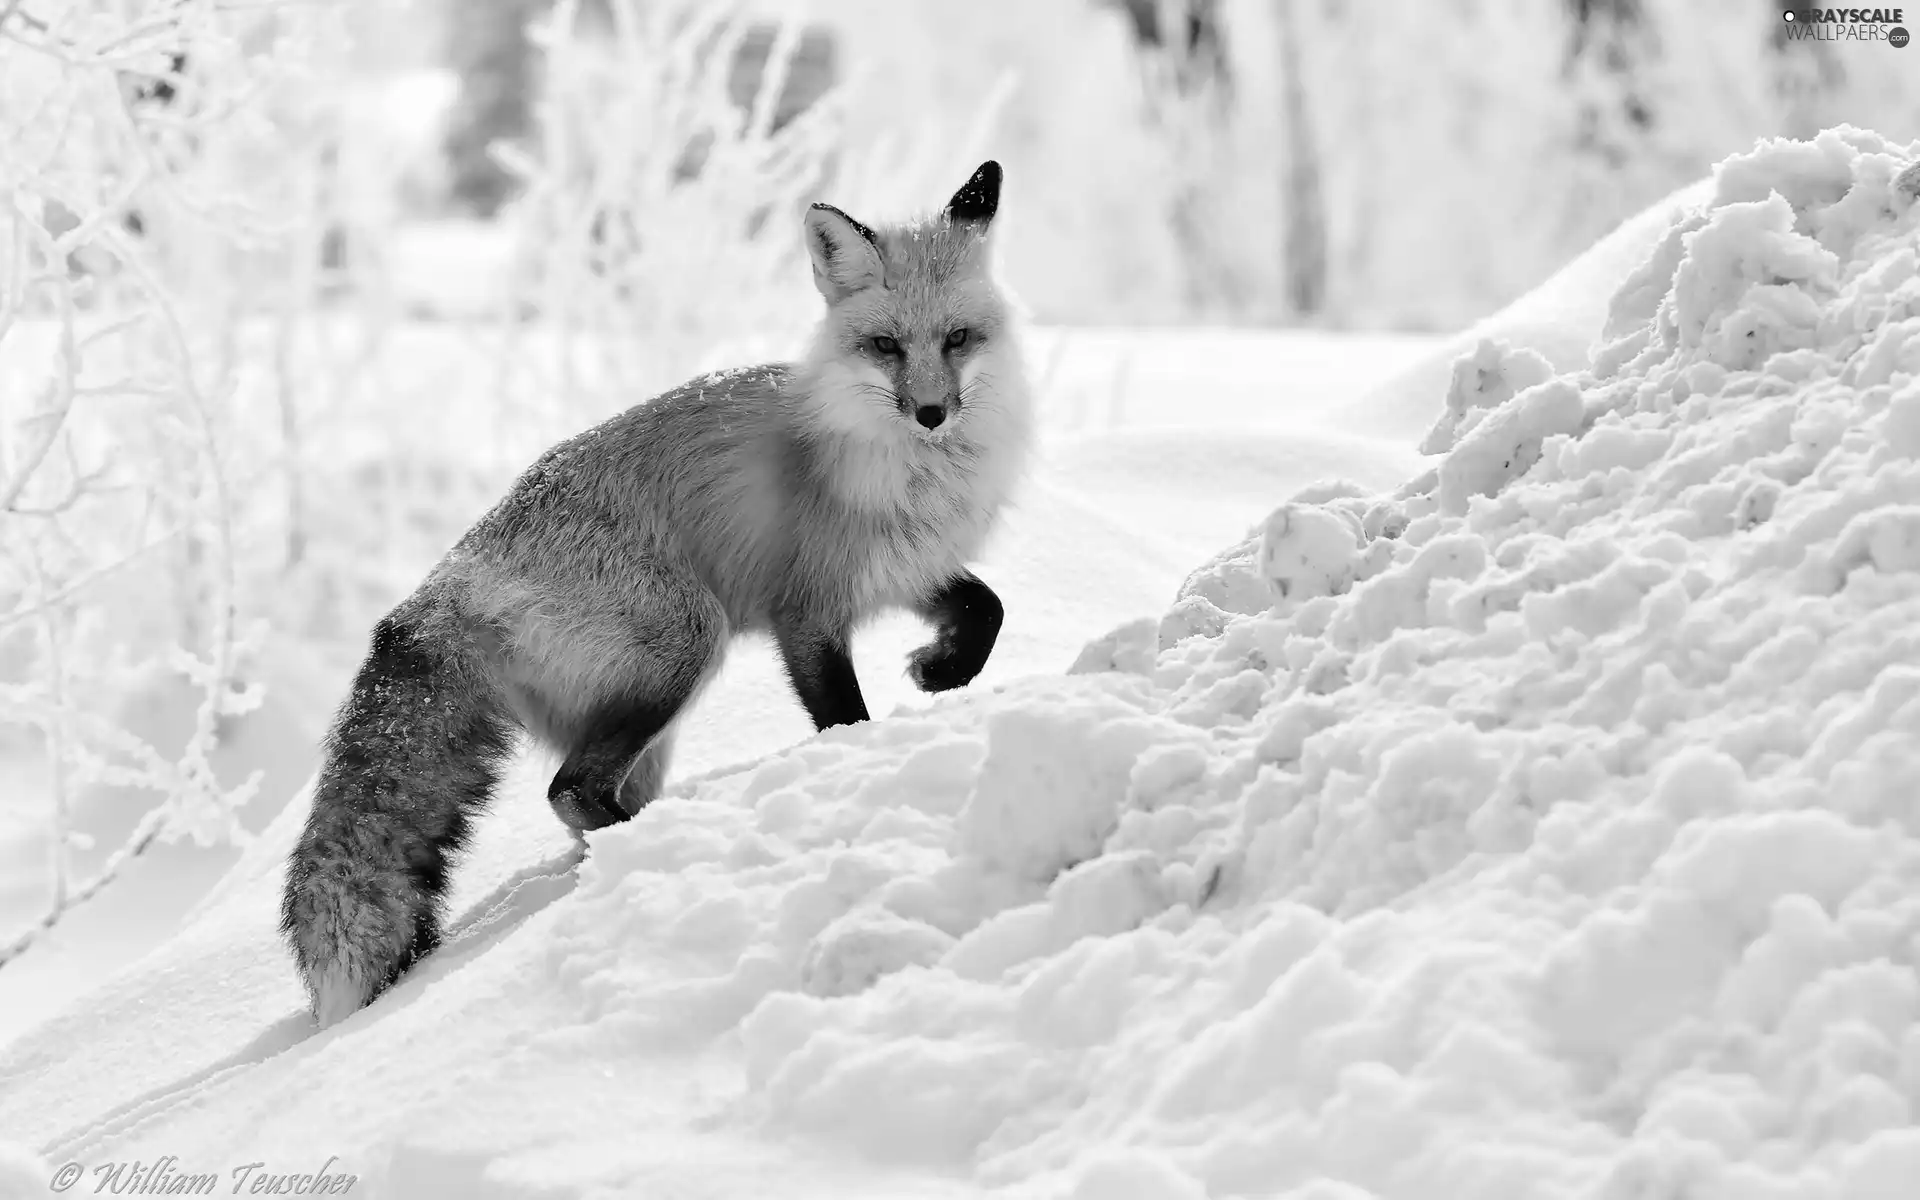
(592,604)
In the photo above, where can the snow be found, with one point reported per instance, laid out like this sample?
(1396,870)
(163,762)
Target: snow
(1540,823)
(1557,321)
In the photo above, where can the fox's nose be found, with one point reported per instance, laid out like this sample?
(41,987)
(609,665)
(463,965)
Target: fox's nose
(930,415)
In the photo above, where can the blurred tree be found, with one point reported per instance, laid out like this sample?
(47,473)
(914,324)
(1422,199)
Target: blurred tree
(1807,77)
(1184,52)
(488,48)
(1187,35)
(496,61)
(1303,197)
(1608,42)
(811,69)
(1624,148)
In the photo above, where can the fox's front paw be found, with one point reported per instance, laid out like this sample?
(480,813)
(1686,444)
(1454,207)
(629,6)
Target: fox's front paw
(938,668)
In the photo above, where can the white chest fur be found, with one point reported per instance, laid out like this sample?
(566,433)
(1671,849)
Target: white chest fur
(939,492)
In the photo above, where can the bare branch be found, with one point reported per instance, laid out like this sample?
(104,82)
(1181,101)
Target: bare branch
(57,406)
(144,835)
(73,588)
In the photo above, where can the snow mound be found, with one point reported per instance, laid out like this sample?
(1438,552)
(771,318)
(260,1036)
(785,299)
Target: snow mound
(1483,380)
(1549,828)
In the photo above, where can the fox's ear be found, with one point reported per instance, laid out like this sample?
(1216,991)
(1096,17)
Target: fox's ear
(979,198)
(845,253)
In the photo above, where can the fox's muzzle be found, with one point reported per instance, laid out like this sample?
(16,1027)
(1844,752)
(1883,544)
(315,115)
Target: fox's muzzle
(928,388)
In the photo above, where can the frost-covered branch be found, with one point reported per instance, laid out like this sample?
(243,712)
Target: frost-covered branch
(139,234)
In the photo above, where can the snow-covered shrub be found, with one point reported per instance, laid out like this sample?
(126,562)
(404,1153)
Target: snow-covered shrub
(150,156)
(657,217)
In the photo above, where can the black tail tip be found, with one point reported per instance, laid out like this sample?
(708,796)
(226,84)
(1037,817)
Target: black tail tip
(979,198)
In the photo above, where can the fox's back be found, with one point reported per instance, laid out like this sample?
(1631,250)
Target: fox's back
(720,482)
(686,477)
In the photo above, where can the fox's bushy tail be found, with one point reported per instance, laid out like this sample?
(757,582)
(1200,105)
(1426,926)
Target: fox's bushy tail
(411,759)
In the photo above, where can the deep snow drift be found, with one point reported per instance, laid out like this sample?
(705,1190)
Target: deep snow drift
(1548,827)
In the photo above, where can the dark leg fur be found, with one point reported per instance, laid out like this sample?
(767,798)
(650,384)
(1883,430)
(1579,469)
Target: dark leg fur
(616,753)
(821,671)
(412,757)
(586,792)
(966,617)
(649,774)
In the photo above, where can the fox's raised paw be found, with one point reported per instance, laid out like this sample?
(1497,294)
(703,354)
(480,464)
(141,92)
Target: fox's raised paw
(938,668)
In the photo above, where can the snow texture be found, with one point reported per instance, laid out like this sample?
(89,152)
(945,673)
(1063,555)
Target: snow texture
(22,1174)
(1549,827)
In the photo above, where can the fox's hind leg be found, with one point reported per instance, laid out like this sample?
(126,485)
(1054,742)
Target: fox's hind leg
(616,740)
(648,774)
(586,793)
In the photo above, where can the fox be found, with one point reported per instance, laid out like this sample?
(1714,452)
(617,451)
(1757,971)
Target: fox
(592,604)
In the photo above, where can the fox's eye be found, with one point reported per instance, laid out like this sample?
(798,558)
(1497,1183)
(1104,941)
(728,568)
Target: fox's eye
(958,338)
(885,345)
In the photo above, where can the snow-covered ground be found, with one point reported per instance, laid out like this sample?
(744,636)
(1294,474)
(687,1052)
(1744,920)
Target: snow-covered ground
(1104,537)
(1540,820)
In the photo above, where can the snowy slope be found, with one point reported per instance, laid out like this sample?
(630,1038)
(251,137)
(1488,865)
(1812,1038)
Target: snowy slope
(1543,827)
(1070,561)
(1073,556)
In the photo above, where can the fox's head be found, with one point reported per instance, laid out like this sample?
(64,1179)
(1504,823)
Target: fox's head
(916,332)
